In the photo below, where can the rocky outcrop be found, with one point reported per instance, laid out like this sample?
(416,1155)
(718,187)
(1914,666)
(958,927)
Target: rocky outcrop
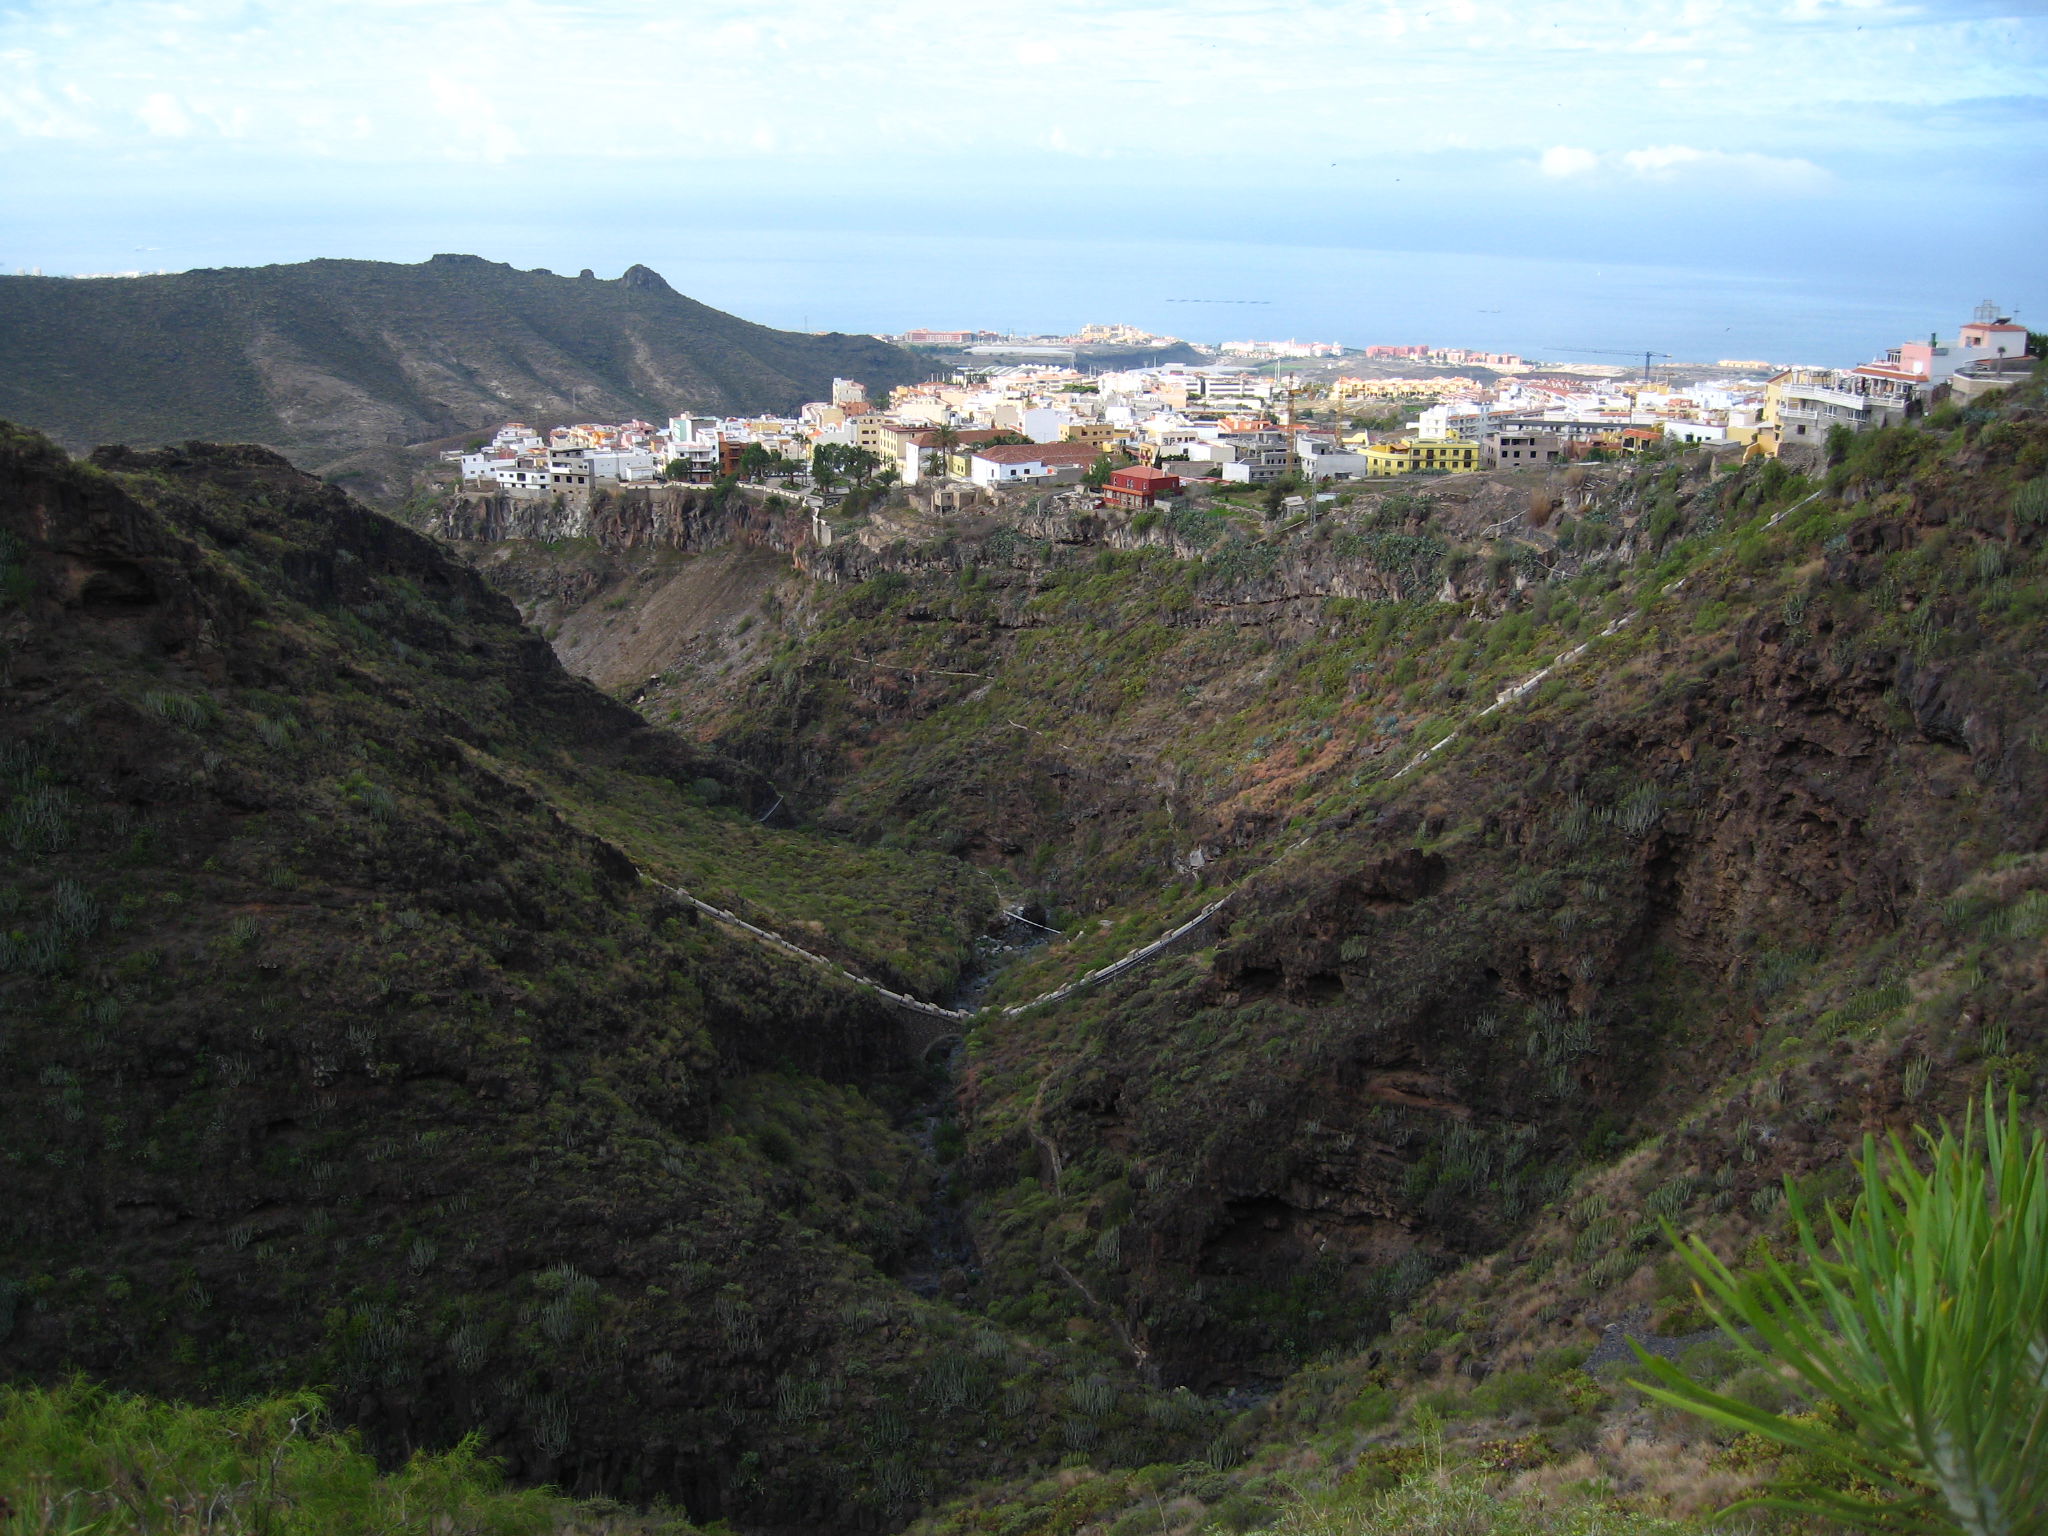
(625,520)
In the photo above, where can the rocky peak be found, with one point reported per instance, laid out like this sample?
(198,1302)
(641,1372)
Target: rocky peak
(639,277)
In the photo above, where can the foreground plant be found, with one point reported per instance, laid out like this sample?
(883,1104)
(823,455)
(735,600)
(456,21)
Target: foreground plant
(1920,1322)
(77,1460)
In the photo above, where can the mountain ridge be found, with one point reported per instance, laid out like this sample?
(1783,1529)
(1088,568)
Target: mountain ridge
(327,358)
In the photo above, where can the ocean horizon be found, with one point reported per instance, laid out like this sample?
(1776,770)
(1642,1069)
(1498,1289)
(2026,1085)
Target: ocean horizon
(1211,291)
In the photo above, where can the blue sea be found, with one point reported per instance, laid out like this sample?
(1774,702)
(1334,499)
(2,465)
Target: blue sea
(1208,290)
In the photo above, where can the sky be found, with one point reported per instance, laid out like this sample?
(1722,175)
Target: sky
(1814,173)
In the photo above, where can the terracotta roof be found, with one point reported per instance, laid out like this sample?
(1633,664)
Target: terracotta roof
(1143,472)
(963,437)
(1040,453)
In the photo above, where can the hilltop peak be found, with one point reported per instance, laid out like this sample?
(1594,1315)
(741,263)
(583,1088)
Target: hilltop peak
(387,354)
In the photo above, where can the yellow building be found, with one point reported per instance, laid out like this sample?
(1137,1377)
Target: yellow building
(1099,433)
(877,434)
(1453,455)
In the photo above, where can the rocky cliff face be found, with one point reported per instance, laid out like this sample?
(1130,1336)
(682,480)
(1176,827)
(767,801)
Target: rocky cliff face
(632,519)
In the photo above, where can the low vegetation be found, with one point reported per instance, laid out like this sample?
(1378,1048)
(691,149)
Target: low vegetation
(81,1461)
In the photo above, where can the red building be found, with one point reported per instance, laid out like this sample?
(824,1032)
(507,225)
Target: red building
(1139,487)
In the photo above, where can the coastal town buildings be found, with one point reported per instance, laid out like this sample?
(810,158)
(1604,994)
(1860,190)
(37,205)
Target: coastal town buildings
(1012,421)
(1282,349)
(1803,404)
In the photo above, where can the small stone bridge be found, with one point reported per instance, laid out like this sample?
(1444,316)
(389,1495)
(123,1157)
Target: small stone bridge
(926,1026)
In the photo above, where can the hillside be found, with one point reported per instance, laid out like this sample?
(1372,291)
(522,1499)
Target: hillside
(323,359)
(1603,872)
(353,1037)
(1574,877)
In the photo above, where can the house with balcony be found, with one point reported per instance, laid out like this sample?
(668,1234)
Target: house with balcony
(527,476)
(1139,487)
(568,471)
(1802,405)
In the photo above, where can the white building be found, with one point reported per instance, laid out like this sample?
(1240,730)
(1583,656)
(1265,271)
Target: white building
(1329,463)
(568,470)
(522,475)
(485,465)
(1044,423)
(628,467)
(1450,418)
(695,440)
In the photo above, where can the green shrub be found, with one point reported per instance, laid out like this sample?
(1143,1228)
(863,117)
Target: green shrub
(1526,1392)
(82,1461)
(193,711)
(2030,502)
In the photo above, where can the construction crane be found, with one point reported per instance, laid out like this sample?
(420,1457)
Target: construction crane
(1644,353)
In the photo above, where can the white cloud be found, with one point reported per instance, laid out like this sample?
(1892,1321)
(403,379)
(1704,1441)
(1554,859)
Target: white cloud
(28,111)
(471,128)
(1563,161)
(1382,80)
(161,115)
(1671,162)
(1732,170)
